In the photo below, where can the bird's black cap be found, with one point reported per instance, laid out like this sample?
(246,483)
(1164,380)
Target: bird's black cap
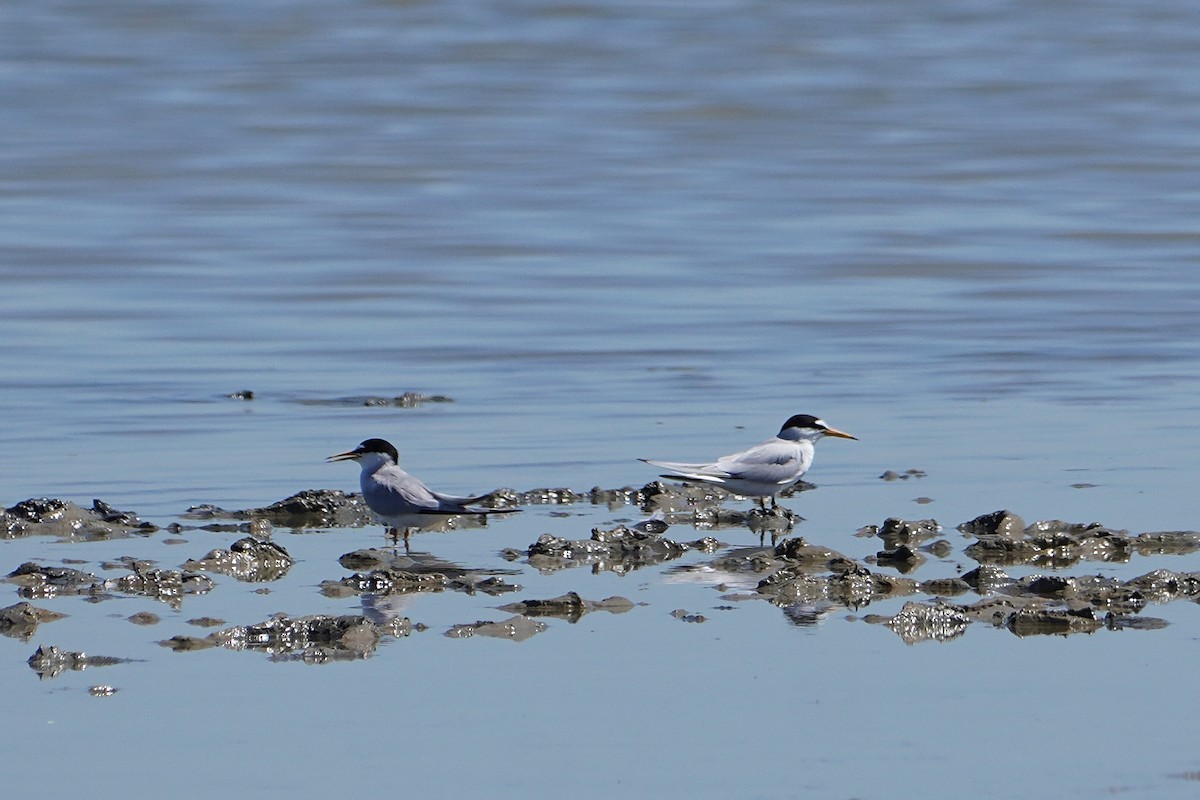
(379,446)
(803,421)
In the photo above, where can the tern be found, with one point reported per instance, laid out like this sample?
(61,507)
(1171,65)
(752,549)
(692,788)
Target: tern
(399,500)
(764,470)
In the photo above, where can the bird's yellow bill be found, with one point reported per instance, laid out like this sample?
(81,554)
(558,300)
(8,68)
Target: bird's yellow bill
(349,455)
(839,434)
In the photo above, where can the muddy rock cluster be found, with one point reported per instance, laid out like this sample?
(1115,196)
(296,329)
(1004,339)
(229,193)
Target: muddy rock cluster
(1022,578)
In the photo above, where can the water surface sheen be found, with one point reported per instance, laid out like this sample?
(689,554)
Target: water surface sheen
(964,231)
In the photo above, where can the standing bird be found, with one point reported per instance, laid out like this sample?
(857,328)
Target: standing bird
(764,470)
(400,501)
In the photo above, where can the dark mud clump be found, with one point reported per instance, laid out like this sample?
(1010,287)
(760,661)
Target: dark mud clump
(168,586)
(21,620)
(51,517)
(809,581)
(517,628)
(799,573)
(621,550)
(316,639)
(386,572)
(387,582)
(50,662)
(569,606)
(700,506)
(248,559)
(1002,539)
(37,581)
(311,508)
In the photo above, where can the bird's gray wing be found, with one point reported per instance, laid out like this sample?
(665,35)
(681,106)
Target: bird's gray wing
(770,462)
(394,491)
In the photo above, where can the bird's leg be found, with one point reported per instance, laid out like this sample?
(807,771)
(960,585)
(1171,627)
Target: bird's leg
(391,534)
(407,532)
(774,503)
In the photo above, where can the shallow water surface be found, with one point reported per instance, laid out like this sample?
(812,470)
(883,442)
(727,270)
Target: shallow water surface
(964,232)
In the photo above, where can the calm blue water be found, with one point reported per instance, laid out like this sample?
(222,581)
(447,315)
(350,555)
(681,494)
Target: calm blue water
(965,232)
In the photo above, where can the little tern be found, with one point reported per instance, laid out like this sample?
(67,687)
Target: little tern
(764,470)
(399,500)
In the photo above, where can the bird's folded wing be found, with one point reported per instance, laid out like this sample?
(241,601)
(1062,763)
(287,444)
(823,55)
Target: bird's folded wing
(762,464)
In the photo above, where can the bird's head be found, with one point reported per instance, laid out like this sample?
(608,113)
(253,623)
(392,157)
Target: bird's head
(376,447)
(806,426)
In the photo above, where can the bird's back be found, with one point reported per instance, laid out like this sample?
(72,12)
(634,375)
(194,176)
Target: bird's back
(391,490)
(772,461)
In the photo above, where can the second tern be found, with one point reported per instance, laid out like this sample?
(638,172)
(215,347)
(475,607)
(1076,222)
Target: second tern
(400,501)
(764,470)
